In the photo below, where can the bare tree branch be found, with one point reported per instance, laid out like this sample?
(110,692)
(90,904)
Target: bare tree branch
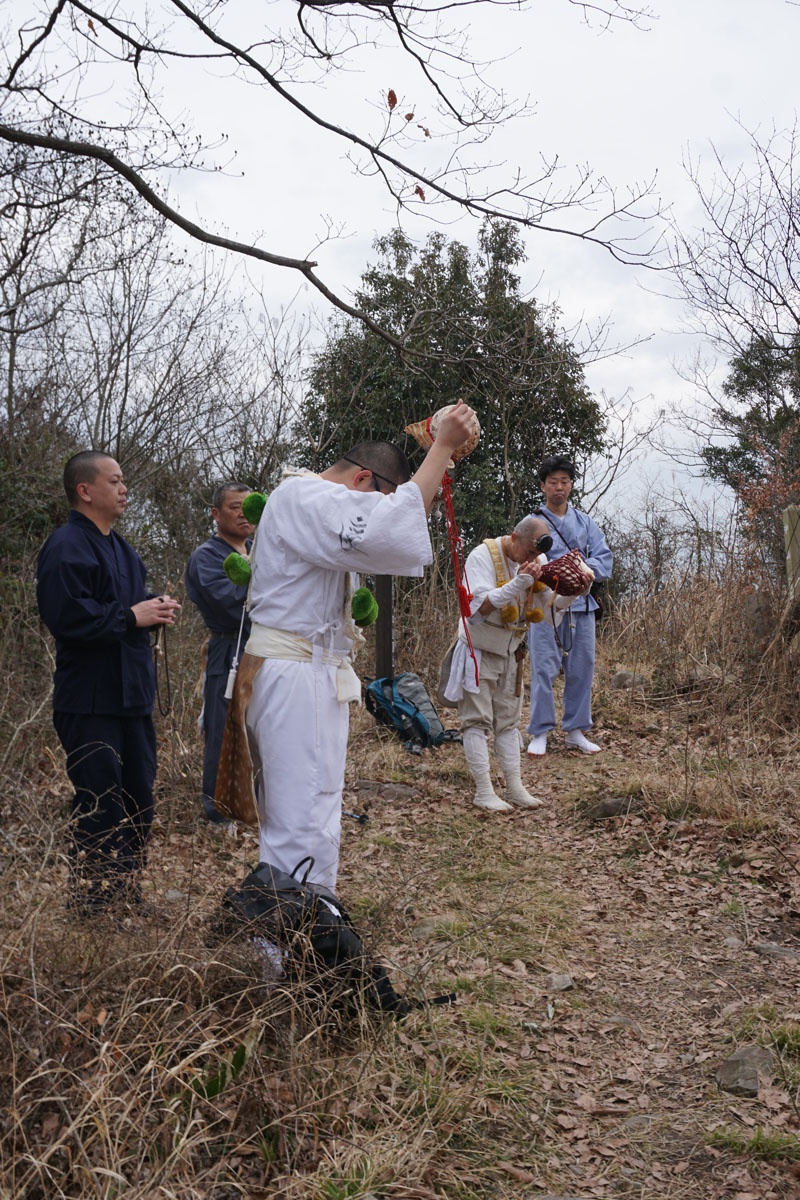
(107,44)
(740,273)
(87,150)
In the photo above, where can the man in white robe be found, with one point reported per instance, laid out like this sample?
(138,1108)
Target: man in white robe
(501,574)
(316,534)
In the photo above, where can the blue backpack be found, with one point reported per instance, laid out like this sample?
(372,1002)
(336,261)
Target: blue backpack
(403,704)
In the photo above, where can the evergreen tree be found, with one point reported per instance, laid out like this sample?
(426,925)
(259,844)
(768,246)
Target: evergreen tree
(471,335)
(761,415)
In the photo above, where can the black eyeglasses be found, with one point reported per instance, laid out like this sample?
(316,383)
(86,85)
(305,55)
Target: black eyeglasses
(389,482)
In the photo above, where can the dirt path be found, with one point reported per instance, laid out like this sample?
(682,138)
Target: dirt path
(606,1088)
(604,971)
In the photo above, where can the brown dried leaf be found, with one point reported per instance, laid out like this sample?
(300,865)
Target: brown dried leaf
(391,99)
(517,1173)
(50,1125)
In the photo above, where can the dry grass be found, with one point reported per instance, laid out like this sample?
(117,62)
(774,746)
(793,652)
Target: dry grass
(151,1062)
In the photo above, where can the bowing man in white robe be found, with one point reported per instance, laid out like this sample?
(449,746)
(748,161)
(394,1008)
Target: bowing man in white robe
(316,534)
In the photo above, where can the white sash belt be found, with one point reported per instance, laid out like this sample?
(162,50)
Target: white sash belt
(278,643)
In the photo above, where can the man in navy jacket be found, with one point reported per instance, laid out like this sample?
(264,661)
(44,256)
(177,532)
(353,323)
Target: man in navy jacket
(90,589)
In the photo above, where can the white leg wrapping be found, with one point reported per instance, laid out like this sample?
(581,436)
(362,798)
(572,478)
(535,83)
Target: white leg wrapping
(506,746)
(476,752)
(300,730)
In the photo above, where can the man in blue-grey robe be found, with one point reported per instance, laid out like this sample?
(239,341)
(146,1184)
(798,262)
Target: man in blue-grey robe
(572,648)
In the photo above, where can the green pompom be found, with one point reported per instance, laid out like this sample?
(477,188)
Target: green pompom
(253,506)
(237,568)
(364,608)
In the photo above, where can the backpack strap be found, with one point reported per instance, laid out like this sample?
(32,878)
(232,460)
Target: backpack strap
(308,859)
(544,514)
(418,718)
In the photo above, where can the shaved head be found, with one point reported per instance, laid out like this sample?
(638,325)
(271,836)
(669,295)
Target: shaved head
(82,468)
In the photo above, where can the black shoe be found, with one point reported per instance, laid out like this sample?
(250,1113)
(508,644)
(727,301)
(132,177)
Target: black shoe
(84,909)
(103,918)
(215,817)
(129,902)
(212,813)
(218,820)
(88,902)
(139,907)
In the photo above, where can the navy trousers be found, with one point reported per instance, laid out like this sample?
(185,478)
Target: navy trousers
(219,659)
(111,763)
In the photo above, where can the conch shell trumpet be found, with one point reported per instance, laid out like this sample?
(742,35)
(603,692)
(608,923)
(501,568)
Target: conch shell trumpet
(424,433)
(569,575)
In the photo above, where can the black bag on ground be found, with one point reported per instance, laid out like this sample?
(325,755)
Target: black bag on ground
(403,704)
(310,924)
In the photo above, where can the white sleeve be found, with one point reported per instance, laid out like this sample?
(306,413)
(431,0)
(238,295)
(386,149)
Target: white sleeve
(481,578)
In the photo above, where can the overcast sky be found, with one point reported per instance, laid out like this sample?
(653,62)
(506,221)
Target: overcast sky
(630,102)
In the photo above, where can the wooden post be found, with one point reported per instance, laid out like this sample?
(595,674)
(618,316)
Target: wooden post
(384,627)
(791,540)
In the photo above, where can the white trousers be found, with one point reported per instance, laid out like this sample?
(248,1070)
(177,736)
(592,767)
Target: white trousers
(494,707)
(298,737)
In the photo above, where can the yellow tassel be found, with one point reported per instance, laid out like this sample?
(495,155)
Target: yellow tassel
(509,614)
(534,615)
(538,586)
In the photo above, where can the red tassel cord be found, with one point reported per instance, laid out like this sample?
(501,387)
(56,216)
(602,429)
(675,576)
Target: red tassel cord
(459,569)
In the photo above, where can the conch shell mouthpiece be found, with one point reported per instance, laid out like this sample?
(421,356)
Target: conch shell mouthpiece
(424,433)
(420,431)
